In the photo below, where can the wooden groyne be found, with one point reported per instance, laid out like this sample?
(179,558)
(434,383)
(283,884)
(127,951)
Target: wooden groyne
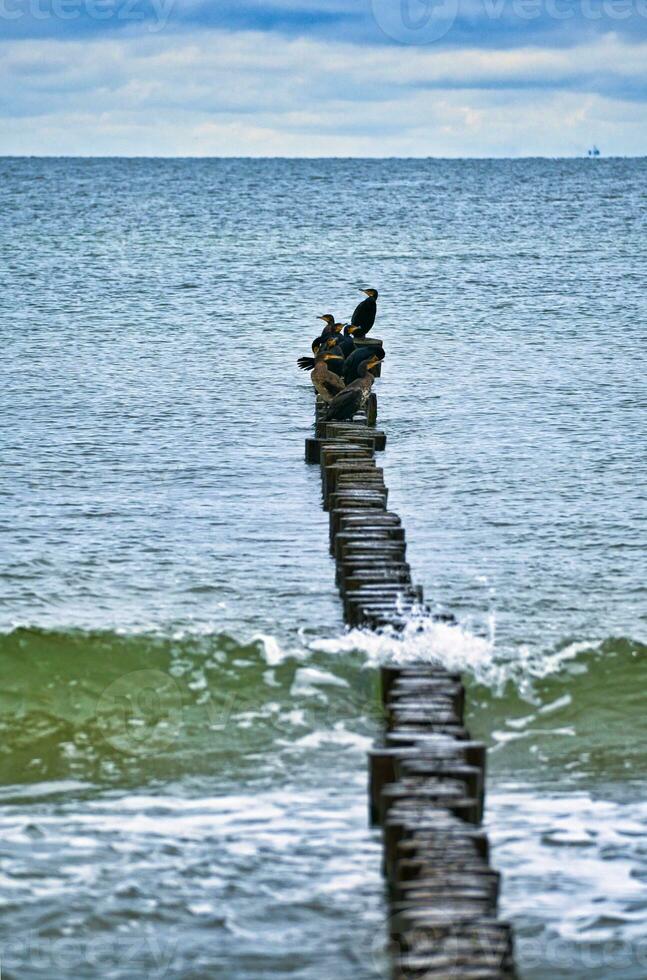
(426,775)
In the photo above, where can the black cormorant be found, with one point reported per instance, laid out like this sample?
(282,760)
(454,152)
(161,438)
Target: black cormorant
(307,363)
(365,312)
(353,363)
(346,341)
(354,396)
(329,320)
(331,346)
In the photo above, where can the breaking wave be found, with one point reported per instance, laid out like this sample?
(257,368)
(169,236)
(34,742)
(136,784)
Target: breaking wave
(105,706)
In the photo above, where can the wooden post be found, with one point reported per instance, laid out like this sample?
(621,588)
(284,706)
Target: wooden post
(427,777)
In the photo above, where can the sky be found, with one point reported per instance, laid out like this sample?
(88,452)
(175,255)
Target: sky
(365,78)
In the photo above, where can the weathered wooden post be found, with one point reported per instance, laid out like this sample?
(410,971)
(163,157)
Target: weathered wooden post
(426,775)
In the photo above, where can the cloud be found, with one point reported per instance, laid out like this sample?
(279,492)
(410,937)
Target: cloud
(484,23)
(221,92)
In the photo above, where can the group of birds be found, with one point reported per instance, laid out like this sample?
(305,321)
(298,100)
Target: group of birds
(341,369)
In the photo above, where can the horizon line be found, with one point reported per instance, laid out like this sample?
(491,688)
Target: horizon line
(171,156)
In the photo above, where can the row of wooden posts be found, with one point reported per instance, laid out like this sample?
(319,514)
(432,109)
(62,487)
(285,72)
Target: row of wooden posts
(426,775)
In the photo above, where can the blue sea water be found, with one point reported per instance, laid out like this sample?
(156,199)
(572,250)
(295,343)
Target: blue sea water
(164,549)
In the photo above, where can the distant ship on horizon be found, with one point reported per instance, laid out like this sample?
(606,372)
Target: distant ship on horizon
(594,152)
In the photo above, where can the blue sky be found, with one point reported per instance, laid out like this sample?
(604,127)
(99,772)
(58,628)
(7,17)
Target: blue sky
(313,78)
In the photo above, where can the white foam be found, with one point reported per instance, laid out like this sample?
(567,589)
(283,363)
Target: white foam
(338,735)
(274,653)
(455,648)
(307,680)
(423,639)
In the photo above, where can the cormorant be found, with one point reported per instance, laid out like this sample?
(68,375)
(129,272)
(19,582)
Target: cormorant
(326,383)
(329,320)
(346,342)
(332,343)
(365,312)
(353,363)
(354,396)
(331,346)
(307,363)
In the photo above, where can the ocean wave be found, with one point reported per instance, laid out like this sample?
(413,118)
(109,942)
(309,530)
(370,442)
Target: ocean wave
(104,706)
(579,706)
(455,648)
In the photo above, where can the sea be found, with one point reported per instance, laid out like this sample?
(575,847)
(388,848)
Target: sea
(184,718)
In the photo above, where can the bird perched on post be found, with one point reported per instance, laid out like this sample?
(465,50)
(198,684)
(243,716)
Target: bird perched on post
(326,383)
(365,312)
(346,341)
(330,345)
(329,320)
(354,396)
(307,363)
(354,361)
